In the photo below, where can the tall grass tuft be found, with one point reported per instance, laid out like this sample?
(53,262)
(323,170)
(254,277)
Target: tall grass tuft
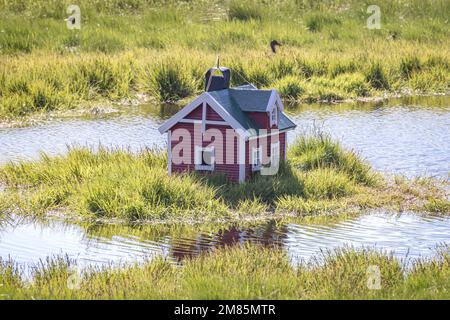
(290,88)
(320,151)
(169,82)
(244,10)
(409,66)
(328,184)
(315,21)
(376,76)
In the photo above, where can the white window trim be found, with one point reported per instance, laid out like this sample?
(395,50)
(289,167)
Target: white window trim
(216,106)
(256,166)
(169,151)
(275,149)
(198,159)
(273,112)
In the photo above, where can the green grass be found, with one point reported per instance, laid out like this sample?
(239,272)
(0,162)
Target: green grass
(244,10)
(321,151)
(116,184)
(437,205)
(111,184)
(242,272)
(376,76)
(170,83)
(162,48)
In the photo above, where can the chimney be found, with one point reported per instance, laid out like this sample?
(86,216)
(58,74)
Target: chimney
(217,78)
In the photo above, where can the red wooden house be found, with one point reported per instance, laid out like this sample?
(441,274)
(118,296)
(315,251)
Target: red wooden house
(237,131)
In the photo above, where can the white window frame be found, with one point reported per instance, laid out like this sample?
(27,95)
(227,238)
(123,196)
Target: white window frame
(199,166)
(274,149)
(256,155)
(274,115)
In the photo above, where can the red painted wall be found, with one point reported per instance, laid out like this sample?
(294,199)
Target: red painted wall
(212,115)
(196,113)
(266,155)
(261,118)
(224,150)
(283,145)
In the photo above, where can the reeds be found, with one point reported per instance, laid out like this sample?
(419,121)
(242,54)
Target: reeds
(164,50)
(240,272)
(117,184)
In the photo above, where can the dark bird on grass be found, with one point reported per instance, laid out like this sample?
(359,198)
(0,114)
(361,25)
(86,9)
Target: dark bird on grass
(273,45)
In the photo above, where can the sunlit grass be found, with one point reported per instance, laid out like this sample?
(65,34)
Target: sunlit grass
(319,176)
(241,272)
(163,49)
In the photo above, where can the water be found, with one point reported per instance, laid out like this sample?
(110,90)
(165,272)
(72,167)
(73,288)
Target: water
(405,235)
(404,136)
(399,136)
(134,130)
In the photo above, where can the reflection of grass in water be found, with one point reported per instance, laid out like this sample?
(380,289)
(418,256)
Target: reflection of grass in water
(115,184)
(243,272)
(337,58)
(436,102)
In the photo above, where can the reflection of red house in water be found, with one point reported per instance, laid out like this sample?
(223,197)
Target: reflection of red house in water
(234,131)
(269,234)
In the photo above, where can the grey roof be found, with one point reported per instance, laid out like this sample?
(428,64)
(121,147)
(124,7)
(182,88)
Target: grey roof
(238,101)
(247,87)
(229,103)
(285,123)
(248,100)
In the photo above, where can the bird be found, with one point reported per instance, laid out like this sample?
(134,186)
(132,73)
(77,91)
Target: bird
(273,45)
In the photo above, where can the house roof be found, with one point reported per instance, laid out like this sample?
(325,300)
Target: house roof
(285,123)
(238,101)
(235,104)
(227,100)
(243,98)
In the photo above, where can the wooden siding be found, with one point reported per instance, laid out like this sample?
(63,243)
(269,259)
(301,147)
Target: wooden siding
(212,115)
(195,114)
(223,150)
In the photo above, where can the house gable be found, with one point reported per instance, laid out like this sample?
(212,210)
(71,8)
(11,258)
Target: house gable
(212,115)
(204,100)
(195,114)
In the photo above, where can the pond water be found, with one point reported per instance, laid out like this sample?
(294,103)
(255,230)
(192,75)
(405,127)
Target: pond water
(405,136)
(406,236)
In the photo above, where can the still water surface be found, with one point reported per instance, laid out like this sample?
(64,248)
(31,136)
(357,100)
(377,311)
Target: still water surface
(407,236)
(404,136)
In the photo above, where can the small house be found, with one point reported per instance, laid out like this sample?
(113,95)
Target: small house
(238,131)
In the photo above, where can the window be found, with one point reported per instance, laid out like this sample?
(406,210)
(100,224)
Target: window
(256,158)
(274,115)
(272,169)
(204,158)
(275,153)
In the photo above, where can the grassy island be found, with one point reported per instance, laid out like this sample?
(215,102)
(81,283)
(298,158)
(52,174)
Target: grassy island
(318,177)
